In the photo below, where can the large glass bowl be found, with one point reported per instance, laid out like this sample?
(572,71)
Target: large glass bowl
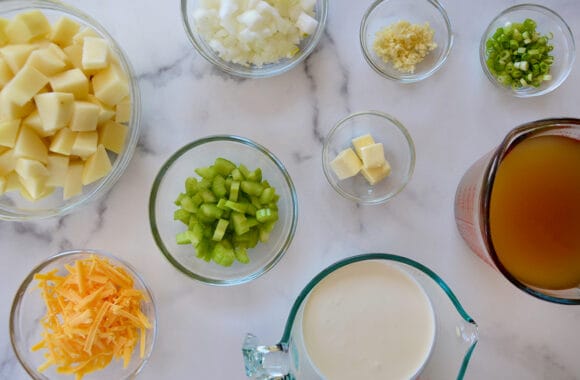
(548,23)
(28,308)
(15,207)
(306,45)
(169,183)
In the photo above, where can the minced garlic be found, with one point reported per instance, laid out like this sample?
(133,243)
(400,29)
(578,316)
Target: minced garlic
(404,44)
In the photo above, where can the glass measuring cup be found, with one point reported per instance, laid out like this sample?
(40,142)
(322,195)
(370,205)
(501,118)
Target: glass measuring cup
(473,202)
(456,332)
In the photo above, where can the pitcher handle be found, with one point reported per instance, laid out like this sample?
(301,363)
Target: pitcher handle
(265,362)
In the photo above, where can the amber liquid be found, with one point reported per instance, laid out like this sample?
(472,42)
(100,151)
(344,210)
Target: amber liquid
(535,212)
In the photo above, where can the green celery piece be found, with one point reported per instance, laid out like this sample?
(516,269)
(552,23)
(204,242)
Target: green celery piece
(193,220)
(234,191)
(220,230)
(191,186)
(251,188)
(223,166)
(210,211)
(196,234)
(237,175)
(207,172)
(244,170)
(222,204)
(267,195)
(208,196)
(252,222)
(219,186)
(251,210)
(239,223)
(183,237)
(223,253)
(204,183)
(266,215)
(181,215)
(179,198)
(197,199)
(237,206)
(187,204)
(241,254)
(255,176)
(264,235)
(204,250)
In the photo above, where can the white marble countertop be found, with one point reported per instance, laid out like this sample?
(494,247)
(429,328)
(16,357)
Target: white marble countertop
(454,117)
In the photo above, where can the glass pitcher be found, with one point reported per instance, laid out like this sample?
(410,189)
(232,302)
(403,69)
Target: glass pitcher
(456,333)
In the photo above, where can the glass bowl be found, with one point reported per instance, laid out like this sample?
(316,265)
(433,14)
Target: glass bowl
(15,207)
(305,47)
(399,152)
(169,183)
(383,13)
(547,22)
(28,308)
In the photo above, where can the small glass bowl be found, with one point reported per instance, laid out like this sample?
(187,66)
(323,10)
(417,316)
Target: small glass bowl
(399,152)
(170,181)
(15,207)
(306,46)
(383,13)
(547,21)
(28,308)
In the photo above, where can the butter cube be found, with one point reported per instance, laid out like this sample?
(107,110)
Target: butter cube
(63,31)
(27,168)
(46,61)
(85,144)
(373,155)
(25,84)
(85,116)
(55,109)
(359,142)
(375,175)
(63,141)
(7,162)
(123,111)
(5,73)
(8,132)
(95,53)
(57,167)
(73,184)
(16,55)
(97,166)
(111,85)
(73,81)
(112,135)
(346,164)
(27,26)
(30,145)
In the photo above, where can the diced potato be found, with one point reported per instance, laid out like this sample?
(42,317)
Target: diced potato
(123,111)
(34,122)
(346,164)
(112,135)
(5,73)
(57,50)
(57,167)
(79,38)
(25,84)
(26,26)
(16,55)
(30,145)
(3,181)
(74,54)
(375,175)
(373,155)
(27,168)
(63,31)
(63,141)
(11,111)
(95,53)
(361,141)
(3,36)
(97,166)
(55,109)
(85,116)
(111,85)
(46,61)
(12,182)
(34,188)
(73,81)
(7,162)
(8,132)
(106,113)
(85,144)
(73,184)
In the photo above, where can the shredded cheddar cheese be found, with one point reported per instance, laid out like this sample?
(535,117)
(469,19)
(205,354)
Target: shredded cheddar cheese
(93,316)
(404,44)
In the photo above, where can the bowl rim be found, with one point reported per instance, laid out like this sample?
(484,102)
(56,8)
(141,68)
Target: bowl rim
(568,35)
(122,161)
(159,177)
(254,72)
(28,280)
(413,78)
(395,123)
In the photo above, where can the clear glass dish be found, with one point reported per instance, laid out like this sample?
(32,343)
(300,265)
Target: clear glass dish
(12,205)
(170,181)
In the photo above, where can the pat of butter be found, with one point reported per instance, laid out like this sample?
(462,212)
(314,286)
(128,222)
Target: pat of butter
(374,175)
(362,141)
(373,155)
(346,164)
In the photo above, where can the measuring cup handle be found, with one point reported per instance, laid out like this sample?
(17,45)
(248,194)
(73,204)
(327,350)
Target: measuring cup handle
(265,362)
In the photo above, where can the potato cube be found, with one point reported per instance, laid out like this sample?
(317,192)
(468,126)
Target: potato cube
(359,142)
(46,61)
(3,181)
(25,84)
(79,38)
(55,109)
(72,81)
(8,132)
(57,167)
(74,54)
(63,141)
(111,85)
(34,188)
(123,111)
(346,164)
(5,73)
(97,166)
(27,26)
(73,184)
(11,111)
(112,135)
(16,55)
(27,168)
(106,113)
(95,53)
(375,175)
(373,155)
(3,36)
(85,144)
(34,122)
(7,162)
(63,31)
(85,116)
(57,50)
(30,145)
(12,182)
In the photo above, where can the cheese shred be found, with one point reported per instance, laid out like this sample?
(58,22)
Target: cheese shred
(93,316)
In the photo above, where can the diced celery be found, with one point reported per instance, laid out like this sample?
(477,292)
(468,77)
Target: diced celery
(239,223)
(251,188)
(191,185)
(220,230)
(267,195)
(210,211)
(223,166)
(266,215)
(207,172)
(241,254)
(181,215)
(237,206)
(219,186)
(183,237)
(234,191)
